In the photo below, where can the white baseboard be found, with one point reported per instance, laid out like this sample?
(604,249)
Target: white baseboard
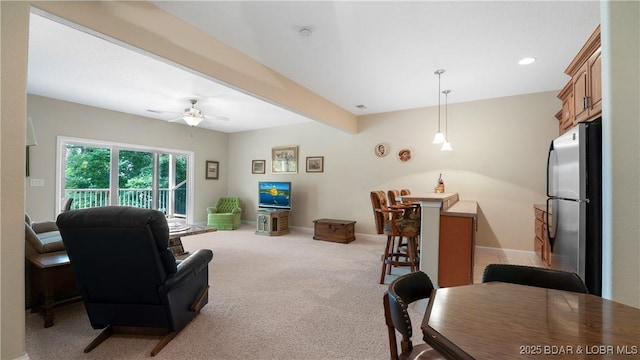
(481,250)
(308,230)
(510,253)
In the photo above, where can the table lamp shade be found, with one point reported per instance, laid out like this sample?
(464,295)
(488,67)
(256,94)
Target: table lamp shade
(31,134)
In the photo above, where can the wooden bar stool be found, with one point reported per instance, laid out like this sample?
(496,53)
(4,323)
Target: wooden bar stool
(391,222)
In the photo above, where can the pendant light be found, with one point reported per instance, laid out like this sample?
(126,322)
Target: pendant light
(439,137)
(446,146)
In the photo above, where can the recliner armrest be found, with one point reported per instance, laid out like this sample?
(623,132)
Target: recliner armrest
(31,238)
(44,226)
(187,269)
(212,210)
(236,210)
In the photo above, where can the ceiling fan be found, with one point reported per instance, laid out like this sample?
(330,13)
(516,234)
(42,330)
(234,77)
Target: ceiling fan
(192,116)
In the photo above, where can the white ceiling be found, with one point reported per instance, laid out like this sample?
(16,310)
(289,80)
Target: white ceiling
(380,54)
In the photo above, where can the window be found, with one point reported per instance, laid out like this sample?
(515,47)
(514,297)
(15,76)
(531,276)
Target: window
(96,173)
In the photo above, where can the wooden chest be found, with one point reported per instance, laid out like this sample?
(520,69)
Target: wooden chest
(341,231)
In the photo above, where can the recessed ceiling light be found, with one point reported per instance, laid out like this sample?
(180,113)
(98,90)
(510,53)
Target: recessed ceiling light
(527,61)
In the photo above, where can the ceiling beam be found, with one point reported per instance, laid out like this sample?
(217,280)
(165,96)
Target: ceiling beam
(144,26)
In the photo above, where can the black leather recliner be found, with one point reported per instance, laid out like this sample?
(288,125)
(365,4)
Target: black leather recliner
(127,277)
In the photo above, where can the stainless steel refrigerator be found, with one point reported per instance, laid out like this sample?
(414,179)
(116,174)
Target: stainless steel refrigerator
(574,202)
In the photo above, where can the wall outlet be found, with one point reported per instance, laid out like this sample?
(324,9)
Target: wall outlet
(37,182)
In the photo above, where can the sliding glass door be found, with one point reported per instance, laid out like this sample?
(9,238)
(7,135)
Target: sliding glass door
(172,179)
(101,174)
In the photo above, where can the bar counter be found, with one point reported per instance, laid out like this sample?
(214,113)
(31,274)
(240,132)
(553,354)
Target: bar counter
(433,206)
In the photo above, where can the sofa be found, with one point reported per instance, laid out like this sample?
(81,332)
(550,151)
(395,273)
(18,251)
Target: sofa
(39,238)
(44,236)
(227,213)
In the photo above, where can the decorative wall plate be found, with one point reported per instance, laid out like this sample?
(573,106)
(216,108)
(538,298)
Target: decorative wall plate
(404,155)
(381,150)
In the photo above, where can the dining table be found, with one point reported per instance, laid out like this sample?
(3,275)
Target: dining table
(498,320)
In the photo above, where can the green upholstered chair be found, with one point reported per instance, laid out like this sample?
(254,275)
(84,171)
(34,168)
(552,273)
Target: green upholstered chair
(226,214)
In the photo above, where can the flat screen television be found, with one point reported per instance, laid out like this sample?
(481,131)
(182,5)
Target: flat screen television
(274,195)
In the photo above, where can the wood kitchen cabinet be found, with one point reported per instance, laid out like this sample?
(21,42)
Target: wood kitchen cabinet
(567,118)
(541,240)
(455,258)
(582,96)
(587,88)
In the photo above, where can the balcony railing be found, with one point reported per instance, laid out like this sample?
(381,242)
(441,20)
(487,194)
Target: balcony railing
(142,198)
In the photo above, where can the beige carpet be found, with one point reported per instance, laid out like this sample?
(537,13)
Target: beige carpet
(281,297)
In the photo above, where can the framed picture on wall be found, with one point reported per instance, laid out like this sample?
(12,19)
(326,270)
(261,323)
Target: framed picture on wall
(284,160)
(405,155)
(212,170)
(381,149)
(315,164)
(257,166)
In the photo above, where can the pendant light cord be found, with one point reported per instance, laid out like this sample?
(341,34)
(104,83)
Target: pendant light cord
(446,114)
(439,73)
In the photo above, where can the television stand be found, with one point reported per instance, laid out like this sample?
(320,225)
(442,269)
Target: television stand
(272,222)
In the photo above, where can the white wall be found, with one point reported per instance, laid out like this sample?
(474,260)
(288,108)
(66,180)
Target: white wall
(621,150)
(626,287)
(499,160)
(52,118)
(13,72)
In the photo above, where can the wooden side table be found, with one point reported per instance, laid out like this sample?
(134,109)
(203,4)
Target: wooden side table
(51,277)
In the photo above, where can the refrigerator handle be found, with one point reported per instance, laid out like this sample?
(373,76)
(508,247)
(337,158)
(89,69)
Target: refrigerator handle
(549,155)
(551,224)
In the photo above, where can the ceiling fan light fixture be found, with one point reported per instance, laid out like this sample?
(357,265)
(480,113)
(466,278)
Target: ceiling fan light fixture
(193,117)
(192,120)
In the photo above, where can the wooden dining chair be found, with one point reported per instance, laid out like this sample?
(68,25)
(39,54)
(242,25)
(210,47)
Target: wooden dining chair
(534,276)
(403,291)
(391,222)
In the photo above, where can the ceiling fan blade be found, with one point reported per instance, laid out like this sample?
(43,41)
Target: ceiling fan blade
(216,117)
(162,112)
(191,116)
